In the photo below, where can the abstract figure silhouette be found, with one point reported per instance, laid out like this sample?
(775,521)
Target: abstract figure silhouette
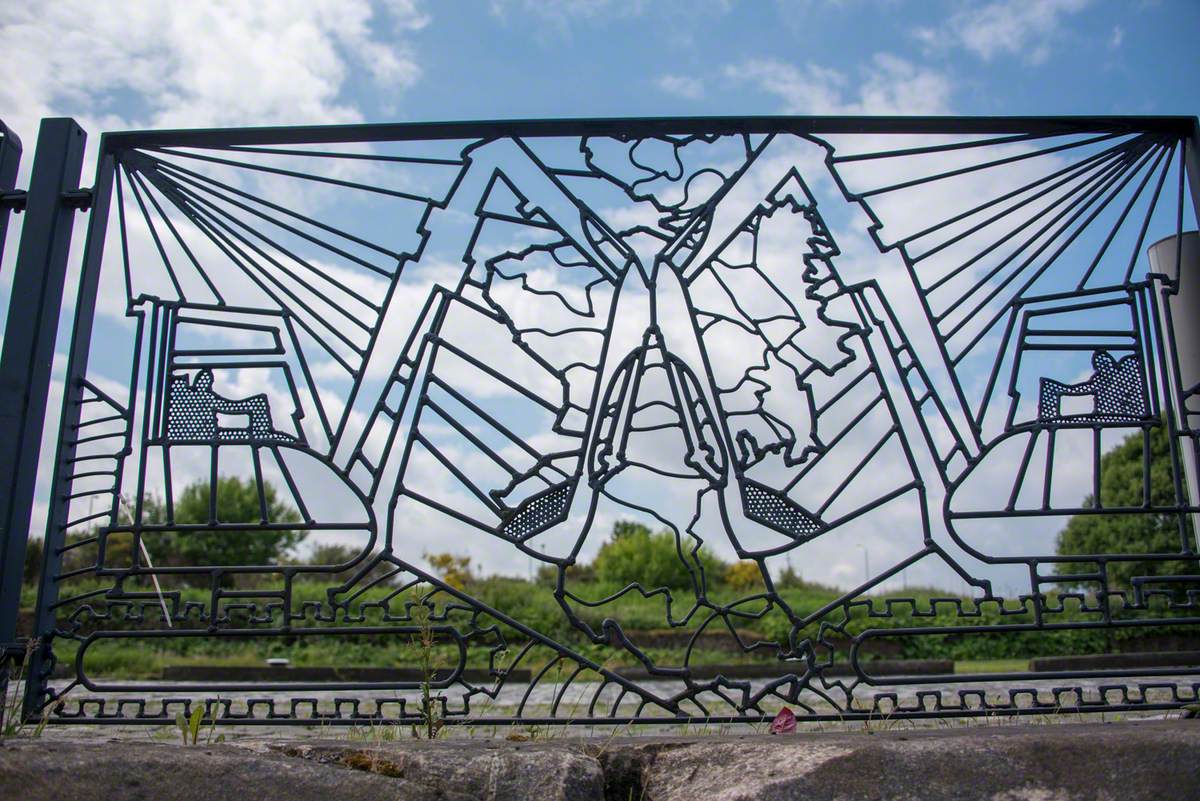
(1116,386)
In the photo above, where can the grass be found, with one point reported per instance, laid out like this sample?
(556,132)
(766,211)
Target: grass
(14,723)
(643,619)
(147,662)
(967,666)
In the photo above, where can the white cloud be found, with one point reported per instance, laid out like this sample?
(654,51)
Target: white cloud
(1118,36)
(406,15)
(681,86)
(896,87)
(1004,27)
(118,65)
(890,85)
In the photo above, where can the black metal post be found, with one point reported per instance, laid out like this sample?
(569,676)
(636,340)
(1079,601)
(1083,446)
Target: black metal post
(77,361)
(28,352)
(10,159)
(1191,153)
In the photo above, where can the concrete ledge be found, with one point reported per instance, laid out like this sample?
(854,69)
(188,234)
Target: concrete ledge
(1045,664)
(1092,761)
(189,673)
(1095,762)
(769,670)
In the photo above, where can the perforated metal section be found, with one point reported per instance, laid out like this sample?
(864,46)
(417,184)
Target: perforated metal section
(765,505)
(539,513)
(1117,387)
(193,409)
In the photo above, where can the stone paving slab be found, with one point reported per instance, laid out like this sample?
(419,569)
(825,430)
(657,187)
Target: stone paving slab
(1092,761)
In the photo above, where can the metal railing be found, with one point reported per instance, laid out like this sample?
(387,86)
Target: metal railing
(774,340)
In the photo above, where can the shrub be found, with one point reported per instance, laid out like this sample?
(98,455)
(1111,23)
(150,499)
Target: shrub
(454,570)
(743,575)
(579,572)
(635,554)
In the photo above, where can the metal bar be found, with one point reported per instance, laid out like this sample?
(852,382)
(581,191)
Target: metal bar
(648,126)
(615,721)
(1191,151)
(10,159)
(28,350)
(56,519)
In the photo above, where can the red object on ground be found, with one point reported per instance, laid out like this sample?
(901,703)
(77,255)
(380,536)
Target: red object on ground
(784,722)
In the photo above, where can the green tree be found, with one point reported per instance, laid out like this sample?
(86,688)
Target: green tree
(237,502)
(635,553)
(1121,476)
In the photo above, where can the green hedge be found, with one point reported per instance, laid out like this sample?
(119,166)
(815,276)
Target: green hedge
(535,606)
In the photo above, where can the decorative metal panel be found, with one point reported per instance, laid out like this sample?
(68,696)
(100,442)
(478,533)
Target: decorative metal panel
(787,342)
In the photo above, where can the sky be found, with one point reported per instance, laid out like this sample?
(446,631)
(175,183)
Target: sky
(123,65)
(133,65)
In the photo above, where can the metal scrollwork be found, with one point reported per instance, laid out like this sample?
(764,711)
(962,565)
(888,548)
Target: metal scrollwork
(772,339)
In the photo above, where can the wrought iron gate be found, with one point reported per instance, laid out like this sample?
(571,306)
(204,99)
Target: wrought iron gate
(771,338)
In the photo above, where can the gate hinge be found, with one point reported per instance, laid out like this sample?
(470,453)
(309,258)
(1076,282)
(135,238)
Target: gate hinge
(80,199)
(14,200)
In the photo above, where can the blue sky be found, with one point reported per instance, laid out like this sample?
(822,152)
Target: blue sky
(149,64)
(596,58)
(140,65)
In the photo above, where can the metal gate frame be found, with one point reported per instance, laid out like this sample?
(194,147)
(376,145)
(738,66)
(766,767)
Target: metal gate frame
(54,197)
